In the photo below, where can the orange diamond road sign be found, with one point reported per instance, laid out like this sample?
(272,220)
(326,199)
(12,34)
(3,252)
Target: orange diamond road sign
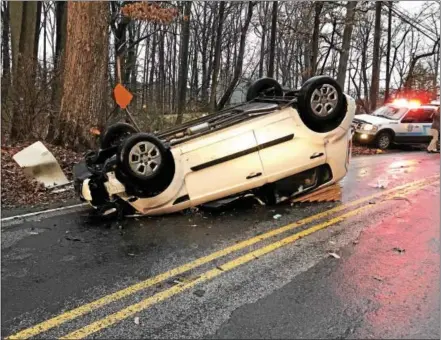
(122,96)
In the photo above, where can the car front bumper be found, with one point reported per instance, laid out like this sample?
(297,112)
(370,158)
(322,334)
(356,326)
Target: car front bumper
(89,187)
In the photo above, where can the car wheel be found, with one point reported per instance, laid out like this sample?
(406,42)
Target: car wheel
(383,140)
(142,156)
(321,104)
(264,86)
(115,134)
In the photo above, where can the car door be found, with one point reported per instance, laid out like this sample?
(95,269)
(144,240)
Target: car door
(426,124)
(415,126)
(222,166)
(285,150)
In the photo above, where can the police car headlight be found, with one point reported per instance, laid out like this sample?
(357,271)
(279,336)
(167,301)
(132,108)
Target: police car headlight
(369,127)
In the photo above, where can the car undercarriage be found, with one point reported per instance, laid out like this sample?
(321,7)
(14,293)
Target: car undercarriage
(132,170)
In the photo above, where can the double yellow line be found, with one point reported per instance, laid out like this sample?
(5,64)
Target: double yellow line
(210,274)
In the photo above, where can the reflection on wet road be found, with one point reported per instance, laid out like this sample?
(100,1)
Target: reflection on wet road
(240,273)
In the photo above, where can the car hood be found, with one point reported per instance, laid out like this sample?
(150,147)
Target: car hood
(365,118)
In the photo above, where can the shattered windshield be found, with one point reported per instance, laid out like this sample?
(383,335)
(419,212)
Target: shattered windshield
(390,112)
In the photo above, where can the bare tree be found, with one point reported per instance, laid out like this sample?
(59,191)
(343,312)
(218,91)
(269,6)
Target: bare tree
(239,64)
(389,38)
(217,55)
(23,17)
(318,6)
(376,58)
(183,69)
(273,40)
(347,35)
(85,74)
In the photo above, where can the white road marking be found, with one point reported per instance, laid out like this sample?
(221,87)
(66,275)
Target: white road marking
(8,221)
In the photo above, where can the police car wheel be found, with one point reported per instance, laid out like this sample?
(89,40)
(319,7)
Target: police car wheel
(383,140)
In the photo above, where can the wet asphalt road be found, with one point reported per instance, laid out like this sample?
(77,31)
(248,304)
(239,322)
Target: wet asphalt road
(385,283)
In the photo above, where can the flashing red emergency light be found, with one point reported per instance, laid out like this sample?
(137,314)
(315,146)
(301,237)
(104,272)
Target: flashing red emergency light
(413,98)
(413,103)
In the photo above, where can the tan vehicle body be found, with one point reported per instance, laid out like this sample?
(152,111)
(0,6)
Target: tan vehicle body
(242,157)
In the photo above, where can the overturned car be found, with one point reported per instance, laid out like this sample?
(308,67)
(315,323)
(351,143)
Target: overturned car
(277,145)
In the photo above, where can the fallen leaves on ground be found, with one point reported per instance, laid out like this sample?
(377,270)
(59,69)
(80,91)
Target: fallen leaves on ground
(18,190)
(360,150)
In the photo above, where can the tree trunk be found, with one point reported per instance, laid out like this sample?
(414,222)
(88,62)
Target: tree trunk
(376,58)
(161,69)
(183,69)
(315,38)
(44,42)
(436,77)
(389,38)
(273,40)
(204,85)
(331,45)
(217,56)
(145,73)
(60,46)
(262,43)
(6,70)
(210,60)
(23,35)
(239,64)
(37,31)
(194,68)
(6,61)
(85,74)
(346,44)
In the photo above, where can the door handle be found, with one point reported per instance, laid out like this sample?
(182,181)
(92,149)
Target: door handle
(253,175)
(316,155)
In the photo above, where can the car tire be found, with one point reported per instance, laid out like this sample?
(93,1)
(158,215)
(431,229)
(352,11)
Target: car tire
(261,86)
(115,134)
(141,157)
(321,104)
(383,140)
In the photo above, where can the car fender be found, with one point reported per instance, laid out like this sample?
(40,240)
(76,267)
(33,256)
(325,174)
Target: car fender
(174,190)
(386,129)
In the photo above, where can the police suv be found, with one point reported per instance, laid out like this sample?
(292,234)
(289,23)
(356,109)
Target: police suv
(400,122)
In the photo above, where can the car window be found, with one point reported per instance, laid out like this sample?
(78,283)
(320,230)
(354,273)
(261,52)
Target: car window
(390,112)
(419,116)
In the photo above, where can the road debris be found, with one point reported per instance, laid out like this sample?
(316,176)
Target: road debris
(136,320)
(332,193)
(399,250)
(400,198)
(378,278)
(334,255)
(277,216)
(74,238)
(382,183)
(199,292)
